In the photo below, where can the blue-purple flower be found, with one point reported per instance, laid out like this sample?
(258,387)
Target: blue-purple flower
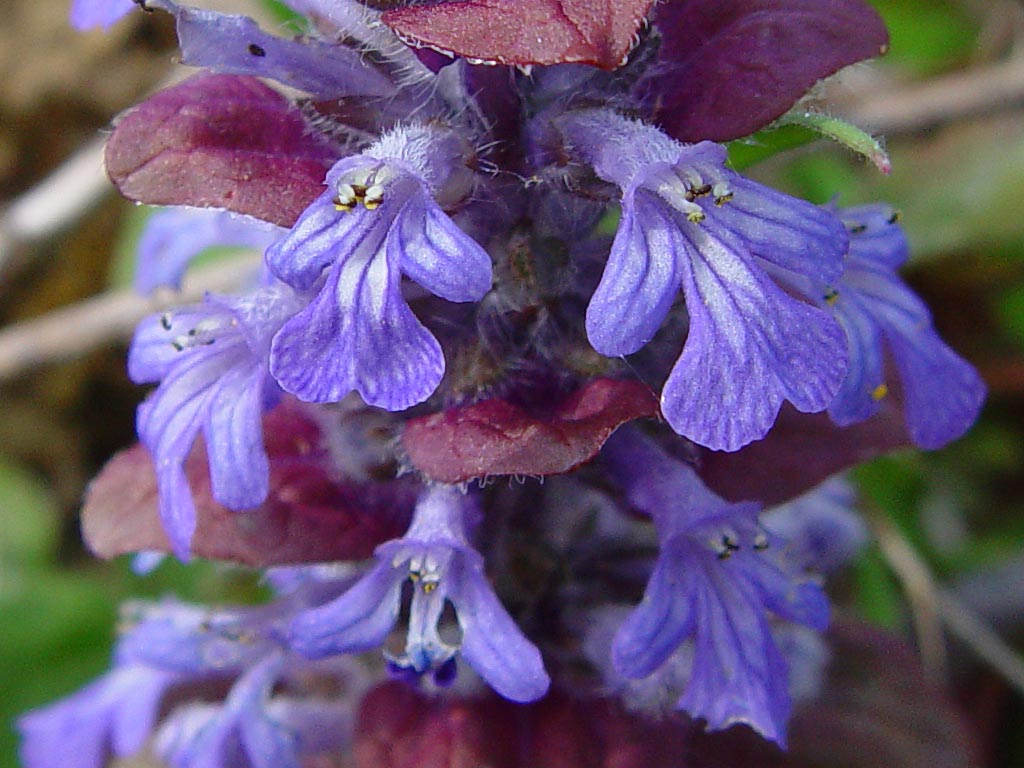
(435,555)
(716,585)
(211,362)
(941,392)
(381,217)
(238,733)
(689,222)
(112,715)
(821,529)
(86,14)
(173,237)
(234,44)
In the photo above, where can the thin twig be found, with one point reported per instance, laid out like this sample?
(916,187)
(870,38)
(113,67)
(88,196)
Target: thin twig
(967,627)
(941,100)
(74,330)
(921,591)
(58,201)
(934,607)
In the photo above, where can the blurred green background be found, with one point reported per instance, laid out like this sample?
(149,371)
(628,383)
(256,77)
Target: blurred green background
(958,178)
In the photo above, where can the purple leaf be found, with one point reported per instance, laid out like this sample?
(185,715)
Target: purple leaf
(729,67)
(494,437)
(801,451)
(220,141)
(525,32)
(309,515)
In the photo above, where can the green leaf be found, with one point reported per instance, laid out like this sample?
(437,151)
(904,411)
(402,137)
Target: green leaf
(55,637)
(29,521)
(1011,313)
(878,597)
(766,143)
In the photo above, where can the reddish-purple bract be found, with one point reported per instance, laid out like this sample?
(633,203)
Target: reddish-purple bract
(310,515)
(220,141)
(526,32)
(494,437)
(801,451)
(729,67)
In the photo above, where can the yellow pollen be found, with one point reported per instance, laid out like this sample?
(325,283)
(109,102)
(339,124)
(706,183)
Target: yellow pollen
(832,297)
(879,392)
(695,217)
(429,586)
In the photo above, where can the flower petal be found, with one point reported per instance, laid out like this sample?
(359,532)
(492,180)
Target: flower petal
(942,392)
(230,44)
(153,353)
(86,14)
(239,471)
(492,642)
(788,232)
(875,238)
(168,423)
(750,347)
(320,237)
(357,621)
(358,334)
(857,398)
(739,675)
(434,252)
(658,625)
(640,280)
(116,711)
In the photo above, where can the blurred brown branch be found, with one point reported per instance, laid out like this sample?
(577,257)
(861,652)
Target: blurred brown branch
(919,106)
(72,331)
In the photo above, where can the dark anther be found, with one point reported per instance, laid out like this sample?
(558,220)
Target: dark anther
(729,545)
(694,192)
(143,6)
(178,346)
(256,50)
(856,229)
(165,321)
(894,217)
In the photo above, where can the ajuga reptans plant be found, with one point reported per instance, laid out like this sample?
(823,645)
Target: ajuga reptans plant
(487,410)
